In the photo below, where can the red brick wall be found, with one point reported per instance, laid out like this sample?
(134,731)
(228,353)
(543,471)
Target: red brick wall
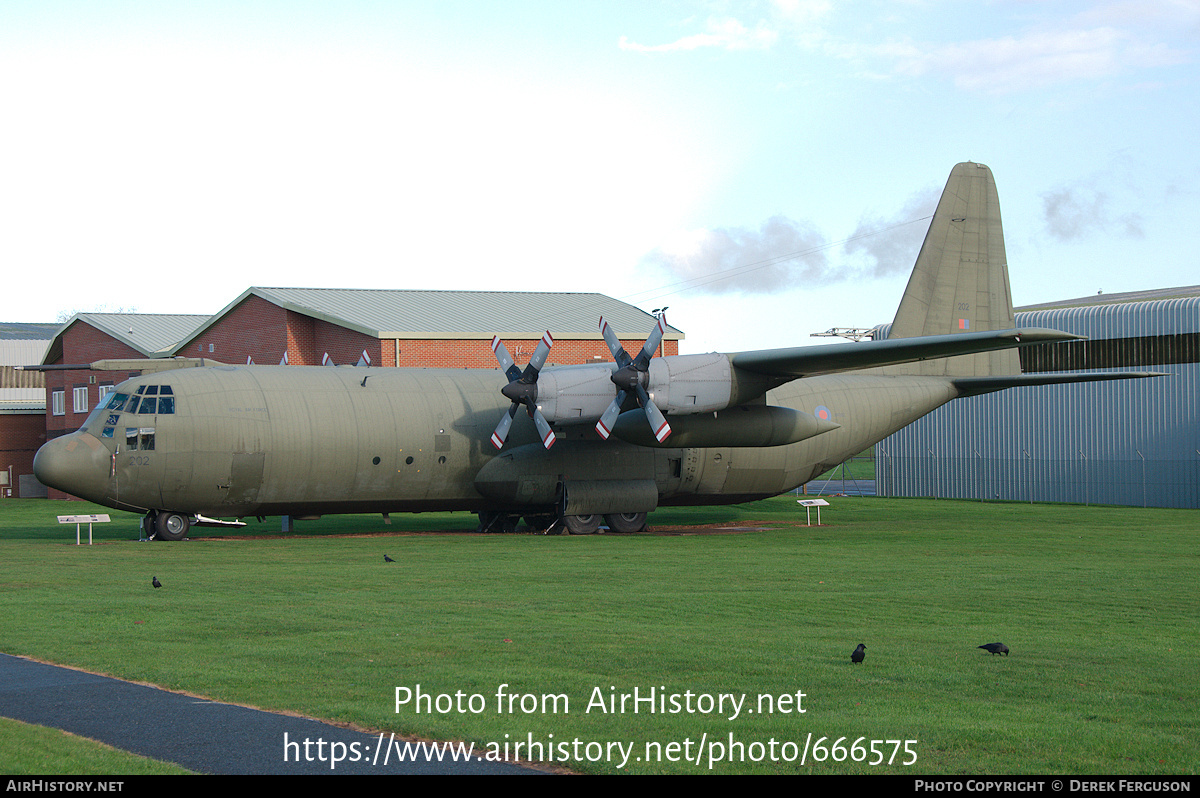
(21,435)
(478,353)
(256,328)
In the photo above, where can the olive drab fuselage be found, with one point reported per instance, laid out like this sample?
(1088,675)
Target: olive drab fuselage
(234,441)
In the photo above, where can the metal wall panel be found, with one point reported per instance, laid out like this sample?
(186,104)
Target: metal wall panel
(1130,442)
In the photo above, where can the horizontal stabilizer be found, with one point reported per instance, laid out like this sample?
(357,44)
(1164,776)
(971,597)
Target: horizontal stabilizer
(974,386)
(804,361)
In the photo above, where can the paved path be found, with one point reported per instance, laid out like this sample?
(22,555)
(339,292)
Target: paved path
(204,736)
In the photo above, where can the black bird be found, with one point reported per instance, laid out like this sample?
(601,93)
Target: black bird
(996,648)
(387,559)
(859,654)
(154,581)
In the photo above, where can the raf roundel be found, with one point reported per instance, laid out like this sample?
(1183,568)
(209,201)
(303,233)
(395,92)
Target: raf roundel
(823,413)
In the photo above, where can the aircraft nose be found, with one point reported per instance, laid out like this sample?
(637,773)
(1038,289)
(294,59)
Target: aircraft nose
(77,464)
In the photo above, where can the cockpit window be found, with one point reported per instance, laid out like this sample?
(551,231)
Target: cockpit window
(148,400)
(139,438)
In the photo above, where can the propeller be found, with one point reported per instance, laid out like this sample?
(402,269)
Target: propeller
(522,390)
(632,375)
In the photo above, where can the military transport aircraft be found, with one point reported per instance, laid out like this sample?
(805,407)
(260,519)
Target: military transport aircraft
(191,441)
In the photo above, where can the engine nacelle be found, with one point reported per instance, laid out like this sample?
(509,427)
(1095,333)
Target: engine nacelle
(576,394)
(687,384)
(679,384)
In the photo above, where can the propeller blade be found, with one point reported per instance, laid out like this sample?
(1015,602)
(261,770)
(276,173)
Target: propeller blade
(522,389)
(605,424)
(658,422)
(543,428)
(506,361)
(631,374)
(540,354)
(501,433)
(652,342)
(614,344)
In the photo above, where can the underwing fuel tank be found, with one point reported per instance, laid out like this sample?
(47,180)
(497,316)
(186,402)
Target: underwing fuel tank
(743,426)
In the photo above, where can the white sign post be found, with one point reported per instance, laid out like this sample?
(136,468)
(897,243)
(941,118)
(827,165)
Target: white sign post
(83,519)
(808,504)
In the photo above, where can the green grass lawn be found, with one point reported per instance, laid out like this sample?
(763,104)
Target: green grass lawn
(1098,604)
(27,749)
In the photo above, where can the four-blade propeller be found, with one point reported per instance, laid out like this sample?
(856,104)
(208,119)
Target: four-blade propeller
(632,374)
(522,390)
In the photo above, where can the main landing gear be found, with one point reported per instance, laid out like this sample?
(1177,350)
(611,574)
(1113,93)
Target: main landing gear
(165,525)
(621,523)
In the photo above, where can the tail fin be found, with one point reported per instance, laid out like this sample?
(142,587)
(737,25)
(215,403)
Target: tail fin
(960,281)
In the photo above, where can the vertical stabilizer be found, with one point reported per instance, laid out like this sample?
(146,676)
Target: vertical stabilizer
(960,281)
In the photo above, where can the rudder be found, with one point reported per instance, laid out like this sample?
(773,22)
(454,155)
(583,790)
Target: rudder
(960,280)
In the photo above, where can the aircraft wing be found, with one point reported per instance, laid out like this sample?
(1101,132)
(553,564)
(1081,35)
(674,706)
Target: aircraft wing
(805,361)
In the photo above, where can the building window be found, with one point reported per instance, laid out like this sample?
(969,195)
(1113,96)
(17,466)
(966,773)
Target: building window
(58,403)
(106,388)
(80,399)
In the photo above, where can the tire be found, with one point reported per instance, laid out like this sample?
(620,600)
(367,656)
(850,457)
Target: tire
(582,524)
(172,526)
(626,523)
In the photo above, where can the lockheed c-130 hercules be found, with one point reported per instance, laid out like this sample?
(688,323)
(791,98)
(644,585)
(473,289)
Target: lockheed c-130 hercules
(189,445)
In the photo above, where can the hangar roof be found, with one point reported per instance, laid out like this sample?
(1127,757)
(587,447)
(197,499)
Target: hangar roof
(389,313)
(153,335)
(1115,299)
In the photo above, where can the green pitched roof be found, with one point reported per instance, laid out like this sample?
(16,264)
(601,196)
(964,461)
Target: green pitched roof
(386,313)
(153,335)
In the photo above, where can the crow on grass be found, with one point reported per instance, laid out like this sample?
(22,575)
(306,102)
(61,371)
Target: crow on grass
(859,654)
(996,648)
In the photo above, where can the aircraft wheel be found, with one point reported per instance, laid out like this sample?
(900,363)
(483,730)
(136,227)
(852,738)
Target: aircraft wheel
(172,526)
(582,524)
(626,523)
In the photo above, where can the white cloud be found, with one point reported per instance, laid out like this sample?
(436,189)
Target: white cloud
(785,253)
(724,34)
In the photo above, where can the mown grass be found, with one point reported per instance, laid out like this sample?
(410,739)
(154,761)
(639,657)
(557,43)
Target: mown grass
(29,749)
(1098,604)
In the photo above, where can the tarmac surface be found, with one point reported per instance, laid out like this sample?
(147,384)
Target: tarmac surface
(207,736)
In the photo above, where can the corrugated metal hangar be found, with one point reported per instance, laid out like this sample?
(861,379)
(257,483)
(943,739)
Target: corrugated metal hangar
(1129,442)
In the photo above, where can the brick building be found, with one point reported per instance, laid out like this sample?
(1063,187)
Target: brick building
(435,329)
(22,408)
(88,337)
